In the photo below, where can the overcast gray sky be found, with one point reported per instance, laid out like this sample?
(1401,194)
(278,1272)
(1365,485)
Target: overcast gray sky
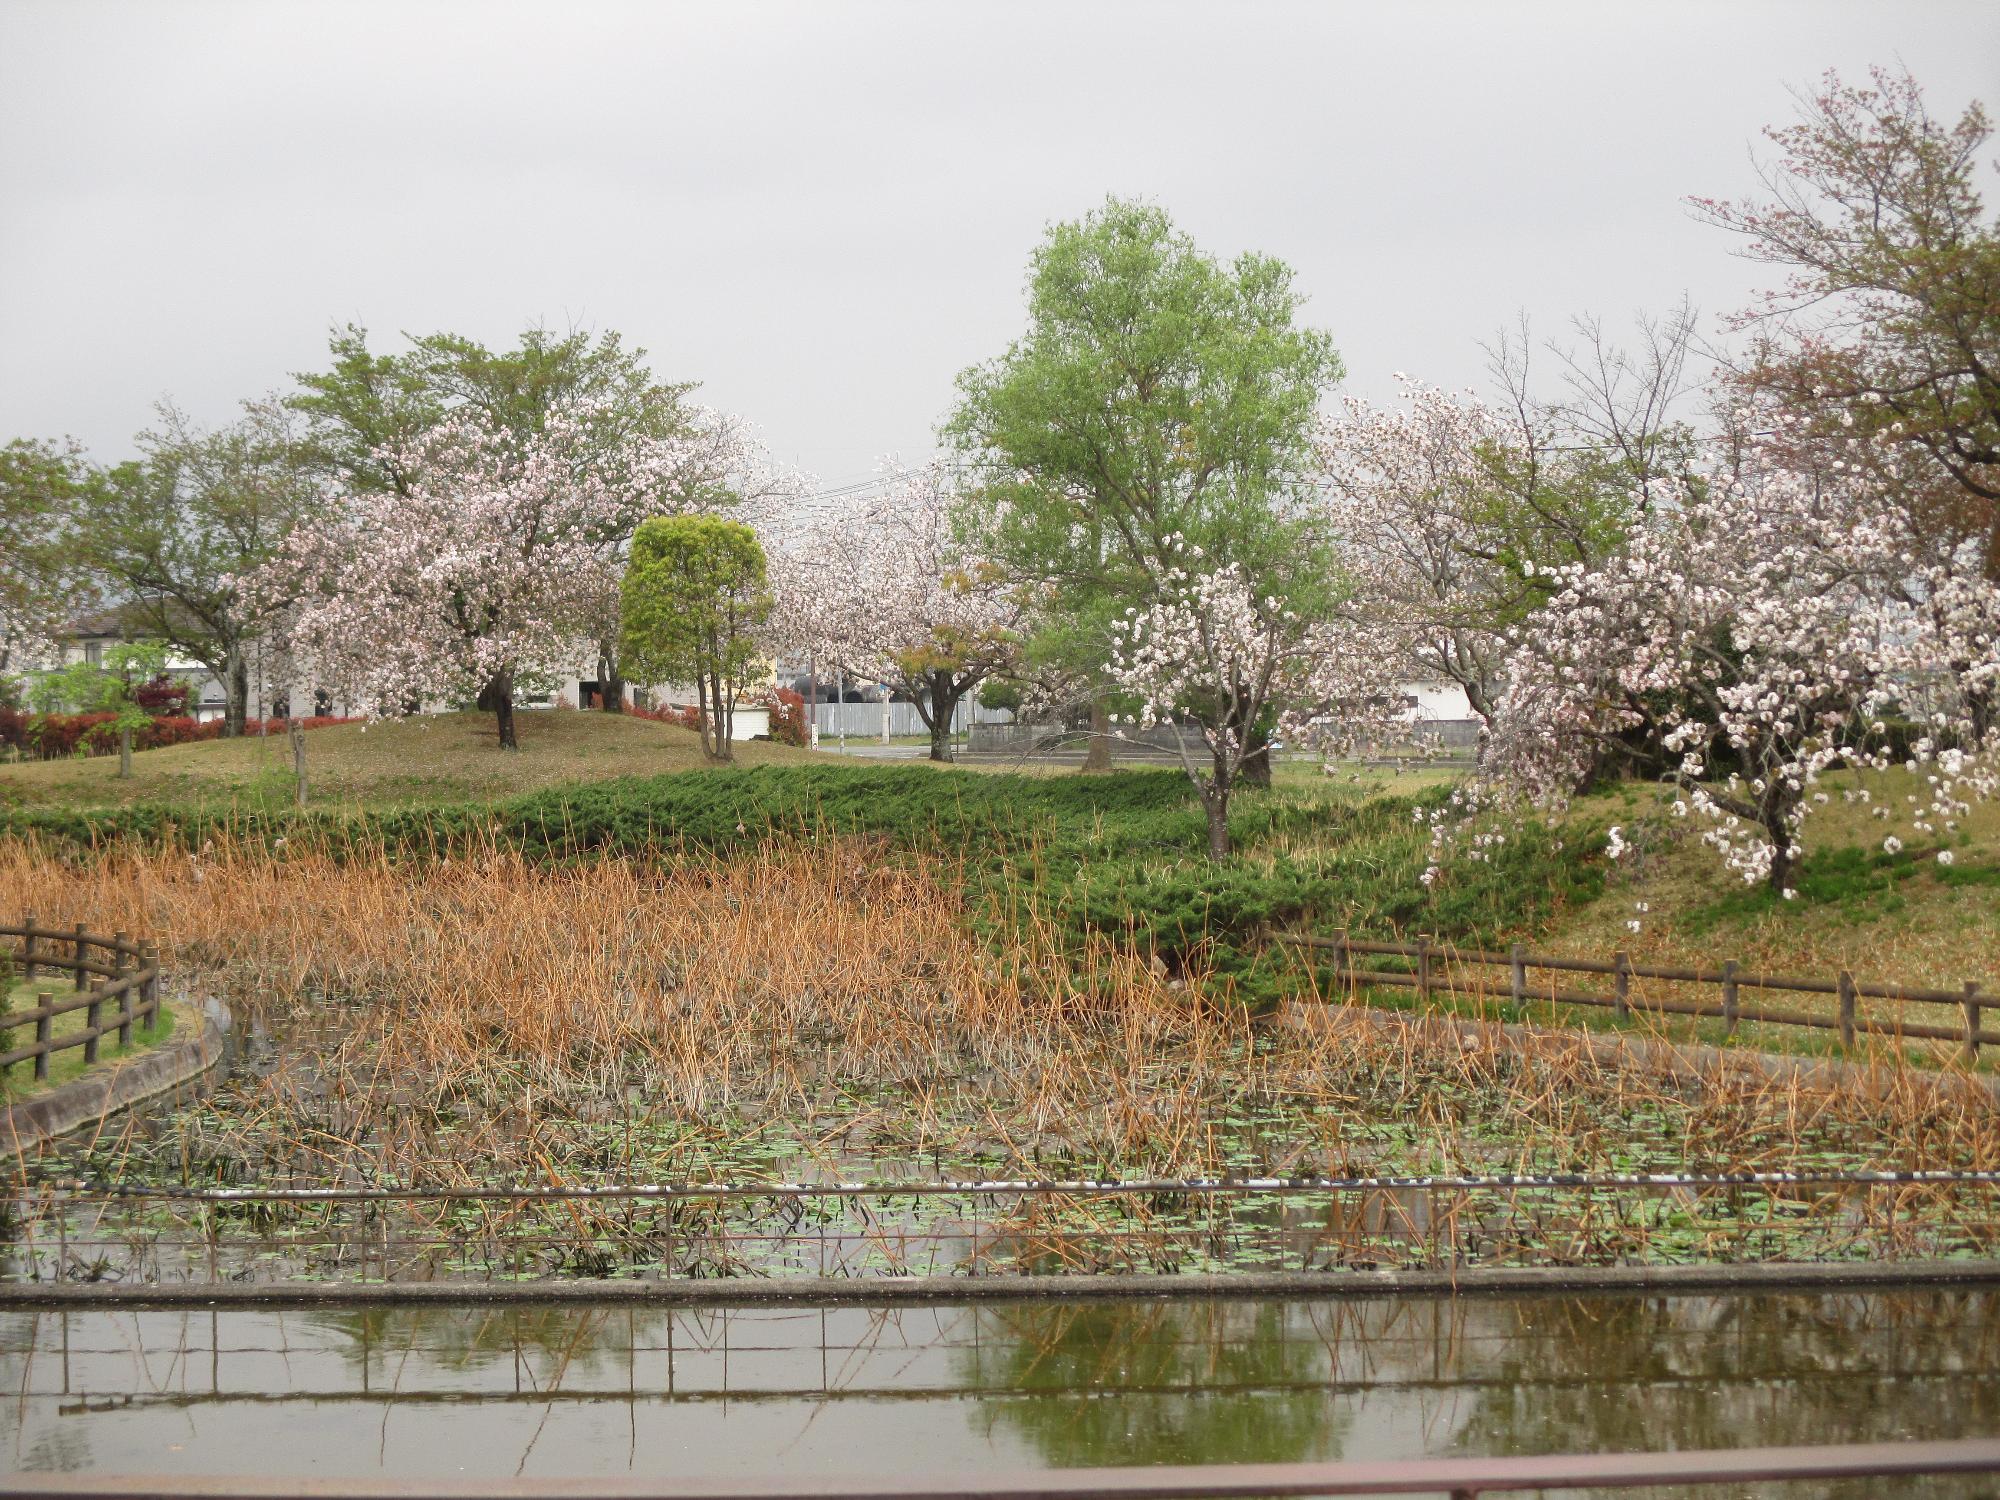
(823,211)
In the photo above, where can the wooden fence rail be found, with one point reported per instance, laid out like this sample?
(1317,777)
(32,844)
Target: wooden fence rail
(1970,1000)
(117,989)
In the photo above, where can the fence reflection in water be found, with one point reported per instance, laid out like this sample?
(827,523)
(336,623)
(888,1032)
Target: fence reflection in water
(947,1389)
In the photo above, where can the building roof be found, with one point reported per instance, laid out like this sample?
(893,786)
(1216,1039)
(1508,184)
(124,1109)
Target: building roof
(132,620)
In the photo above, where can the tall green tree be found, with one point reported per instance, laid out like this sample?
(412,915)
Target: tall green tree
(179,531)
(695,594)
(1159,400)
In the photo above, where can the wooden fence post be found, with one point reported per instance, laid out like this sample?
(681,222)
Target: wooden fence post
(92,1013)
(1621,984)
(1729,997)
(42,1023)
(150,955)
(82,979)
(1517,977)
(1971,1021)
(1846,1009)
(1342,961)
(1424,969)
(28,949)
(125,1007)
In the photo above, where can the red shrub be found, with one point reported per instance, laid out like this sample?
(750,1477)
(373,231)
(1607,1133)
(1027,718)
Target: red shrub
(163,696)
(686,718)
(788,718)
(58,736)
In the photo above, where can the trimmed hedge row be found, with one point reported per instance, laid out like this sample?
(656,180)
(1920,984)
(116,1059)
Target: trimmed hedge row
(60,736)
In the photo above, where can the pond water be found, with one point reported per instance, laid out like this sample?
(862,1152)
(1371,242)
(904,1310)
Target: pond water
(547,1390)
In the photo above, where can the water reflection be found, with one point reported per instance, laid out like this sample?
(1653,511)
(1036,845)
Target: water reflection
(1193,1382)
(554,1390)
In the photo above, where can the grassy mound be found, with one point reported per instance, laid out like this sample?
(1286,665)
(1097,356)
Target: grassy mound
(436,757)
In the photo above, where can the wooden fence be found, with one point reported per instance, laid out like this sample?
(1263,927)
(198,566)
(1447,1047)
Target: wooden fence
(1434,961)
(117,990)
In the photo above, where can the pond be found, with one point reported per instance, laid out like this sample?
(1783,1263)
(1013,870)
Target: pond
(476,1391)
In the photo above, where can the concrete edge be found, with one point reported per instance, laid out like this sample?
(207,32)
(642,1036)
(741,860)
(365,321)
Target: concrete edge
(1495,1281)
(181,1069)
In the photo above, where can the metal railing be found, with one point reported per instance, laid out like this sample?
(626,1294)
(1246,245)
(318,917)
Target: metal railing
(1454,1477)
(117,991)
(1440,966)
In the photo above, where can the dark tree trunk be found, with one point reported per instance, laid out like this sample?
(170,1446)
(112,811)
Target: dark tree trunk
(498,695)
(124,756)
(610,684)
(716,735)
(1256,767)
(235,693)
(1098,756)
(943,704)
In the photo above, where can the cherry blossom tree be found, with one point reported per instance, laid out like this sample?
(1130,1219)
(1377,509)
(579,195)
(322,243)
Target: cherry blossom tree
(493,563)
(1770,630)
(1213,652)
(884,590)
(41,484)
(1438,501)
(1413,496)
(1884,322)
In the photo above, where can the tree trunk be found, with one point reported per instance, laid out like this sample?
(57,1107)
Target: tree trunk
(235,692)
(1098,756)
(297,733)
(124,753)
(943,704)
(498,694)
(610,685)
(1774,811)
(715,731)
(1256,767)
(1215,801)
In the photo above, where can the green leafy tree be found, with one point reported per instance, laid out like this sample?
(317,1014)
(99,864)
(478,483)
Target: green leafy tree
(179,531)
(113,688)
(1159,399)
(694,596)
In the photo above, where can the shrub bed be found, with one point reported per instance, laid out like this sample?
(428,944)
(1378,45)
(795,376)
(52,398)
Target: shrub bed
(60,736)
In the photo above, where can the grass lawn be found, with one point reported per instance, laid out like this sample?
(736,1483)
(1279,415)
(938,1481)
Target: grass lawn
(19,1081)
(1899,919)
(437,757)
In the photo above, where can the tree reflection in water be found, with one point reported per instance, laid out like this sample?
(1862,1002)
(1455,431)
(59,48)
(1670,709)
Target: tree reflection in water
(1154,1382)
(1627,1374)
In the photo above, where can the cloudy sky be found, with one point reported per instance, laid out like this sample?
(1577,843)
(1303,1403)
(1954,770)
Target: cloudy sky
(823,211)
